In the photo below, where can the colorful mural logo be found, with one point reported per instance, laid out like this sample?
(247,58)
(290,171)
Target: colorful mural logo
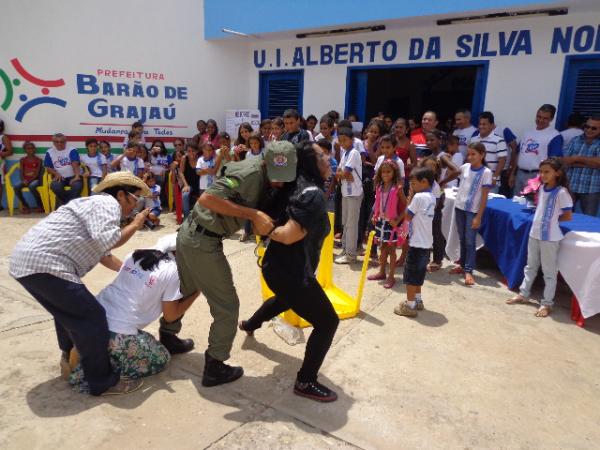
(28,104)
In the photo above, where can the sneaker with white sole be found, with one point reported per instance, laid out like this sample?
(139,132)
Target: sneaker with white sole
(345,259)
(405,310)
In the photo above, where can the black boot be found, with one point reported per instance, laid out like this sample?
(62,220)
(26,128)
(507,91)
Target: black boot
(174,344)
(217,372)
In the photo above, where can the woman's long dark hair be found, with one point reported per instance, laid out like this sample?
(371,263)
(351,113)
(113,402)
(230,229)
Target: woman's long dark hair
(148,259)
(308,166)
(557,165)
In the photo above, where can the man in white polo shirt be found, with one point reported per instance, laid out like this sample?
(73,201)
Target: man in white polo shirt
(64,167)
(536,146)
(495,147)
(464,130)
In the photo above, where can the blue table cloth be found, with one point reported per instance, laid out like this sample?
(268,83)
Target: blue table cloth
(505,229)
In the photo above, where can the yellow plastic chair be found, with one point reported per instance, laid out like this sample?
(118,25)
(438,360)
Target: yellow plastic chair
(52,195)
(10,191)
(345,305)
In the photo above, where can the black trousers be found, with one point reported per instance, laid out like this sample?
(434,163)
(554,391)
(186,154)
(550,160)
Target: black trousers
(439,241)
(310,302)
(79,320)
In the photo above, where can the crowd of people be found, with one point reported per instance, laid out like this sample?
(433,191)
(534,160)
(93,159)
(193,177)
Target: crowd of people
(279,182)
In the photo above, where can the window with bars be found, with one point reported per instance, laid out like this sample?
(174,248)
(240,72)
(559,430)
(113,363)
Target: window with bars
(280,90)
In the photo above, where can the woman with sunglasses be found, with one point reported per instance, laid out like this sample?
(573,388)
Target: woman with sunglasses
(52,257)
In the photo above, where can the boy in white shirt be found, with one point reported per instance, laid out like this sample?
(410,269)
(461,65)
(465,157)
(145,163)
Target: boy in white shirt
(95,162)
(206,167)
(129,161)
(349,173)
(420,212)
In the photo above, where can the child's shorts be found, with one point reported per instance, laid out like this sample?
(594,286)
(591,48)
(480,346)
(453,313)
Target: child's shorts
(415,267)
(156,211)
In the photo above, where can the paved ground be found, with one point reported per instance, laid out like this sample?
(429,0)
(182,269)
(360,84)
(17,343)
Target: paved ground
(470,372)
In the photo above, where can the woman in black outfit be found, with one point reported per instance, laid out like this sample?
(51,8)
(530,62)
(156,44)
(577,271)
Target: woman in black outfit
(289,266)
(191,190)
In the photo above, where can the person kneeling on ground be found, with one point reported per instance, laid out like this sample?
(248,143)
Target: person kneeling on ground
(146,286)
(53,256)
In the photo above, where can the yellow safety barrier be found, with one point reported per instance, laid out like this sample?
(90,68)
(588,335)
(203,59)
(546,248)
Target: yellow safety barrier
(10,191)
(344,304)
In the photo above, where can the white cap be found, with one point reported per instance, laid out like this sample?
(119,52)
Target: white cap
(167,243)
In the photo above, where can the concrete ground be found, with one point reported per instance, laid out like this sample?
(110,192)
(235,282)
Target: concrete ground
(469,372)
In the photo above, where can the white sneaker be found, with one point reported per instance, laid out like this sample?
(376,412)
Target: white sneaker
(345,259)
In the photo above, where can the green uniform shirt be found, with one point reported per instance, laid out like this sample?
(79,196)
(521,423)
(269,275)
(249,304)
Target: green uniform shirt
(243,183)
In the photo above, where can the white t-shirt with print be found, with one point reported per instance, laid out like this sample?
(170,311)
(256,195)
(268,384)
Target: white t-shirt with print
(351,162)
(422,209)
(534,147)
(94,163)
(458,159)
(464,135)
(159,164)
(205,180)
(134,298)
(468,197)
(60,160)
(551,205)
(250,155)
(132,165)
(394,158)
(154,200)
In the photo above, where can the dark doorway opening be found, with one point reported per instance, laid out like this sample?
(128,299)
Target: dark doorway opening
(408,91)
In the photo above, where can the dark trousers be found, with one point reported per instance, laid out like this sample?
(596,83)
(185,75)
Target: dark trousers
(366,208)
(79,320)
(310,302)
(439,241)
(337,218)
(33,191)
(58,187)
(589,203)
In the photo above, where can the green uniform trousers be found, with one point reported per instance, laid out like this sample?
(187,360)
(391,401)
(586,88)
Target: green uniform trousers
(202,266)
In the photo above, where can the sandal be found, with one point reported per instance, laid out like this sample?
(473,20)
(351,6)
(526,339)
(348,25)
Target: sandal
(376,277)
(516,300)
(469,280)
(433,267)
(389,284)
(458,270)
(543,311)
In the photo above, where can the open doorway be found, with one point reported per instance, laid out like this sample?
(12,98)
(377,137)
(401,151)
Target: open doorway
(408,91)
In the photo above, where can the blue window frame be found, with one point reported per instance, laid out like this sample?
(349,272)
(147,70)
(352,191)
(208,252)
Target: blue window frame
(280,90)
(357,83)
(580,90)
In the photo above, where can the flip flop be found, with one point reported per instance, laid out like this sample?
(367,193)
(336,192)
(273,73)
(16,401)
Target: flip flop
(433,267)
(376,277)
(516,300)
(456,271)
(389,284)
(543,311)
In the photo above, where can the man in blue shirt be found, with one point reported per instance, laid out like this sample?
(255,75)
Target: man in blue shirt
(583,158)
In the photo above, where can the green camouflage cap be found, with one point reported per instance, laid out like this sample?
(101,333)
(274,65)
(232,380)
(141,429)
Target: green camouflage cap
(281,160)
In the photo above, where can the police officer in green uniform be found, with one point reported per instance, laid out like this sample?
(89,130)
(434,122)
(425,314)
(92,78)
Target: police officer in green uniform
(221,211)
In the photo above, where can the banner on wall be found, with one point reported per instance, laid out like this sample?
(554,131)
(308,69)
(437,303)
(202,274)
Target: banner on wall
(101,102)
(235,117)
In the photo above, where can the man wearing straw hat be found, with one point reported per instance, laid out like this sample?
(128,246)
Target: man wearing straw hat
(221,211)
(53,255)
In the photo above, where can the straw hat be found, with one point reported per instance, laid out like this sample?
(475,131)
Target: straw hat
(122,179)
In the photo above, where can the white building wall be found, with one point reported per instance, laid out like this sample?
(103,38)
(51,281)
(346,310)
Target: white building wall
(62,39)
(516,86)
